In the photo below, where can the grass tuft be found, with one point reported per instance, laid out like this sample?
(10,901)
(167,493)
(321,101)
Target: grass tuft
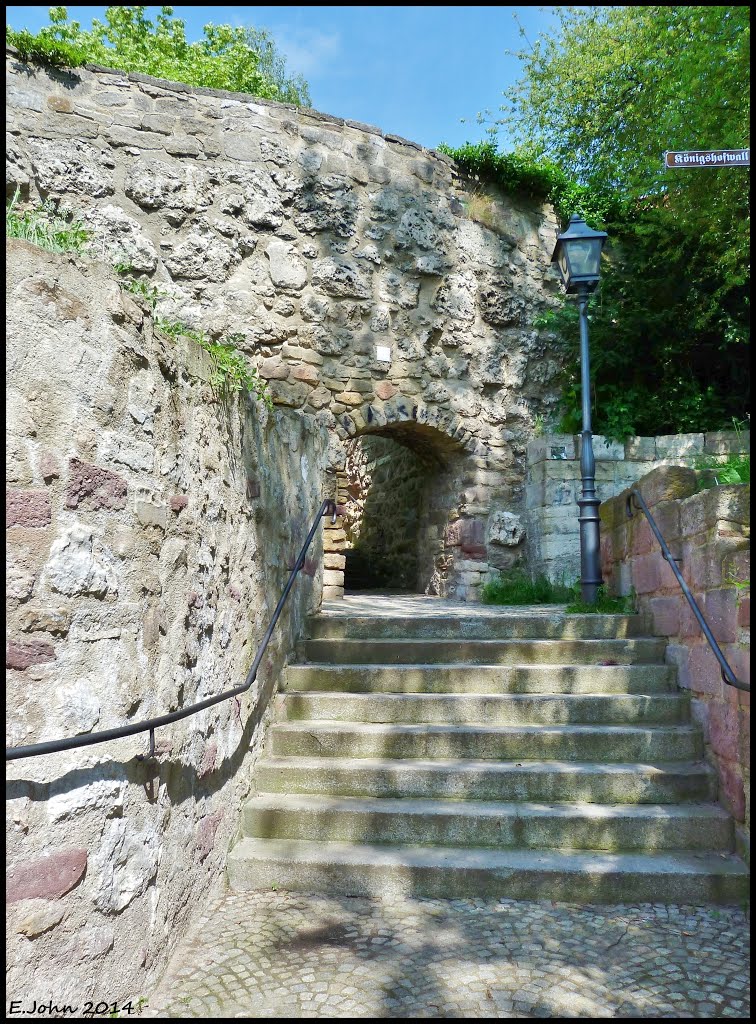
(49,226)
(517,587)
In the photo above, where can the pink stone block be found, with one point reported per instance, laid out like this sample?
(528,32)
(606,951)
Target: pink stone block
(724,731)
(645,573)
(31,652)
(48,878)
(93,487)
(665,615)
(720,611)
(705,672)
(31,509)
(731,791)
(206,834)
(744,611)
(641,540)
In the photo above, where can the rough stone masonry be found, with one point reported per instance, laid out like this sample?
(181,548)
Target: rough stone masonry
(367,282)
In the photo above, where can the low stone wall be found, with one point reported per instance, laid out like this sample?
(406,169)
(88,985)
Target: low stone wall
(151,524)
(709,532)
(553,484)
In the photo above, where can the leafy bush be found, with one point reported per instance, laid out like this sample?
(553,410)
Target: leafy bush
(237,59)
(49,226)
(735,469)
(517,587)
(521,173)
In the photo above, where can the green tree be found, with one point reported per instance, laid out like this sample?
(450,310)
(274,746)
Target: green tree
(237,59)
(602,97)
(615,87)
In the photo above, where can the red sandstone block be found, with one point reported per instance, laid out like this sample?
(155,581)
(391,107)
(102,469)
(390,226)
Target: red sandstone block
(720,611)
(645,573)
(724,730)
(665,615)
(739,659)
(738,566)
(48,878)
(641,539)
(206,833)
(731,790)
(705,672)
(475,552)
(27,508)
(744,611)
(93,487)
(745,738)
(31,652)
(689,624)
(731,694)
(49,466)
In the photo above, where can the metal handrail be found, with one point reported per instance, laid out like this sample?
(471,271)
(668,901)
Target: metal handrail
(728,675)
(328,507)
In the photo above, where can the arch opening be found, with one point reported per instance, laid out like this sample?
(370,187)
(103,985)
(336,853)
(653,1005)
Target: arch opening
(400,485)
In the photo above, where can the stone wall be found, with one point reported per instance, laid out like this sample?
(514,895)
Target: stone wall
(150,526)
(364,278)
(709,532)
(553,484)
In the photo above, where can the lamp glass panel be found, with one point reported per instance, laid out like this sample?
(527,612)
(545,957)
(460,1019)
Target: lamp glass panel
(584,255)
(564,266)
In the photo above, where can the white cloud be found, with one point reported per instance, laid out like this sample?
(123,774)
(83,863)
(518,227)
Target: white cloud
(307,51)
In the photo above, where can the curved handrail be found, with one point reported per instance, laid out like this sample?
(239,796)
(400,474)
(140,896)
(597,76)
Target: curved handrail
(728,675)
(328,507)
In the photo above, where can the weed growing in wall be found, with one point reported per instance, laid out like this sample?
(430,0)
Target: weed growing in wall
(231,372)
(735,468)
(49,226)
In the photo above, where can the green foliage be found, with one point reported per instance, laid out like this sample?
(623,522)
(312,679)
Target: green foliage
(148,293)
(605,604)
(520,173)
(599,101)
(517,587)
(239,59)
(614,87)
(47,225)
(735,469)
(231,372)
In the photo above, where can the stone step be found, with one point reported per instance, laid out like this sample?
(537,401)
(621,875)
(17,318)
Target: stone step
(499,709)
(489,825)
(540,781)
(554,625)
(440,872)
(522,742)
(486,652)
(479,679)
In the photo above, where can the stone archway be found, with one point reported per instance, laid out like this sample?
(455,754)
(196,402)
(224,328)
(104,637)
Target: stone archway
(447,495)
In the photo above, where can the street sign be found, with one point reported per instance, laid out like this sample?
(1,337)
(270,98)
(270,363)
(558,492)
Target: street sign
(708,158)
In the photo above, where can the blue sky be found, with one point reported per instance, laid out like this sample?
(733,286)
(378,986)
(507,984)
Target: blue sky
(413,71)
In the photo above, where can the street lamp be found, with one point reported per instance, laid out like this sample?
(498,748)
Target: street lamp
(577,254)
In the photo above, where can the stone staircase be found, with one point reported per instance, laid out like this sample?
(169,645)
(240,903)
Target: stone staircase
(432,749)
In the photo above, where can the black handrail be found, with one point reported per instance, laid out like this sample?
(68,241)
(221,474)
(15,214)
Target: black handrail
(728,675)
(52,746)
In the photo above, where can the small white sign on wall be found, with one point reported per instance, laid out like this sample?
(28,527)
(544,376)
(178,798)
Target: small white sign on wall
(383,353)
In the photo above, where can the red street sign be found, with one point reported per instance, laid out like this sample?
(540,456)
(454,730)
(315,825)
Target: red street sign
(708,158)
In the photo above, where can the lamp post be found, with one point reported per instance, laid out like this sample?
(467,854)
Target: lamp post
(577,254)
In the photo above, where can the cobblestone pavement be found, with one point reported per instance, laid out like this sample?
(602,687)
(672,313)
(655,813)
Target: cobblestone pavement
(288,955)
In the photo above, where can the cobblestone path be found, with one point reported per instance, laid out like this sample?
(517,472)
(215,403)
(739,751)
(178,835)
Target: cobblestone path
(289,955)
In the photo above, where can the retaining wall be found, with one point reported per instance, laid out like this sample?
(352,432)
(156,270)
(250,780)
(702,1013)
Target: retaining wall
(709,532)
